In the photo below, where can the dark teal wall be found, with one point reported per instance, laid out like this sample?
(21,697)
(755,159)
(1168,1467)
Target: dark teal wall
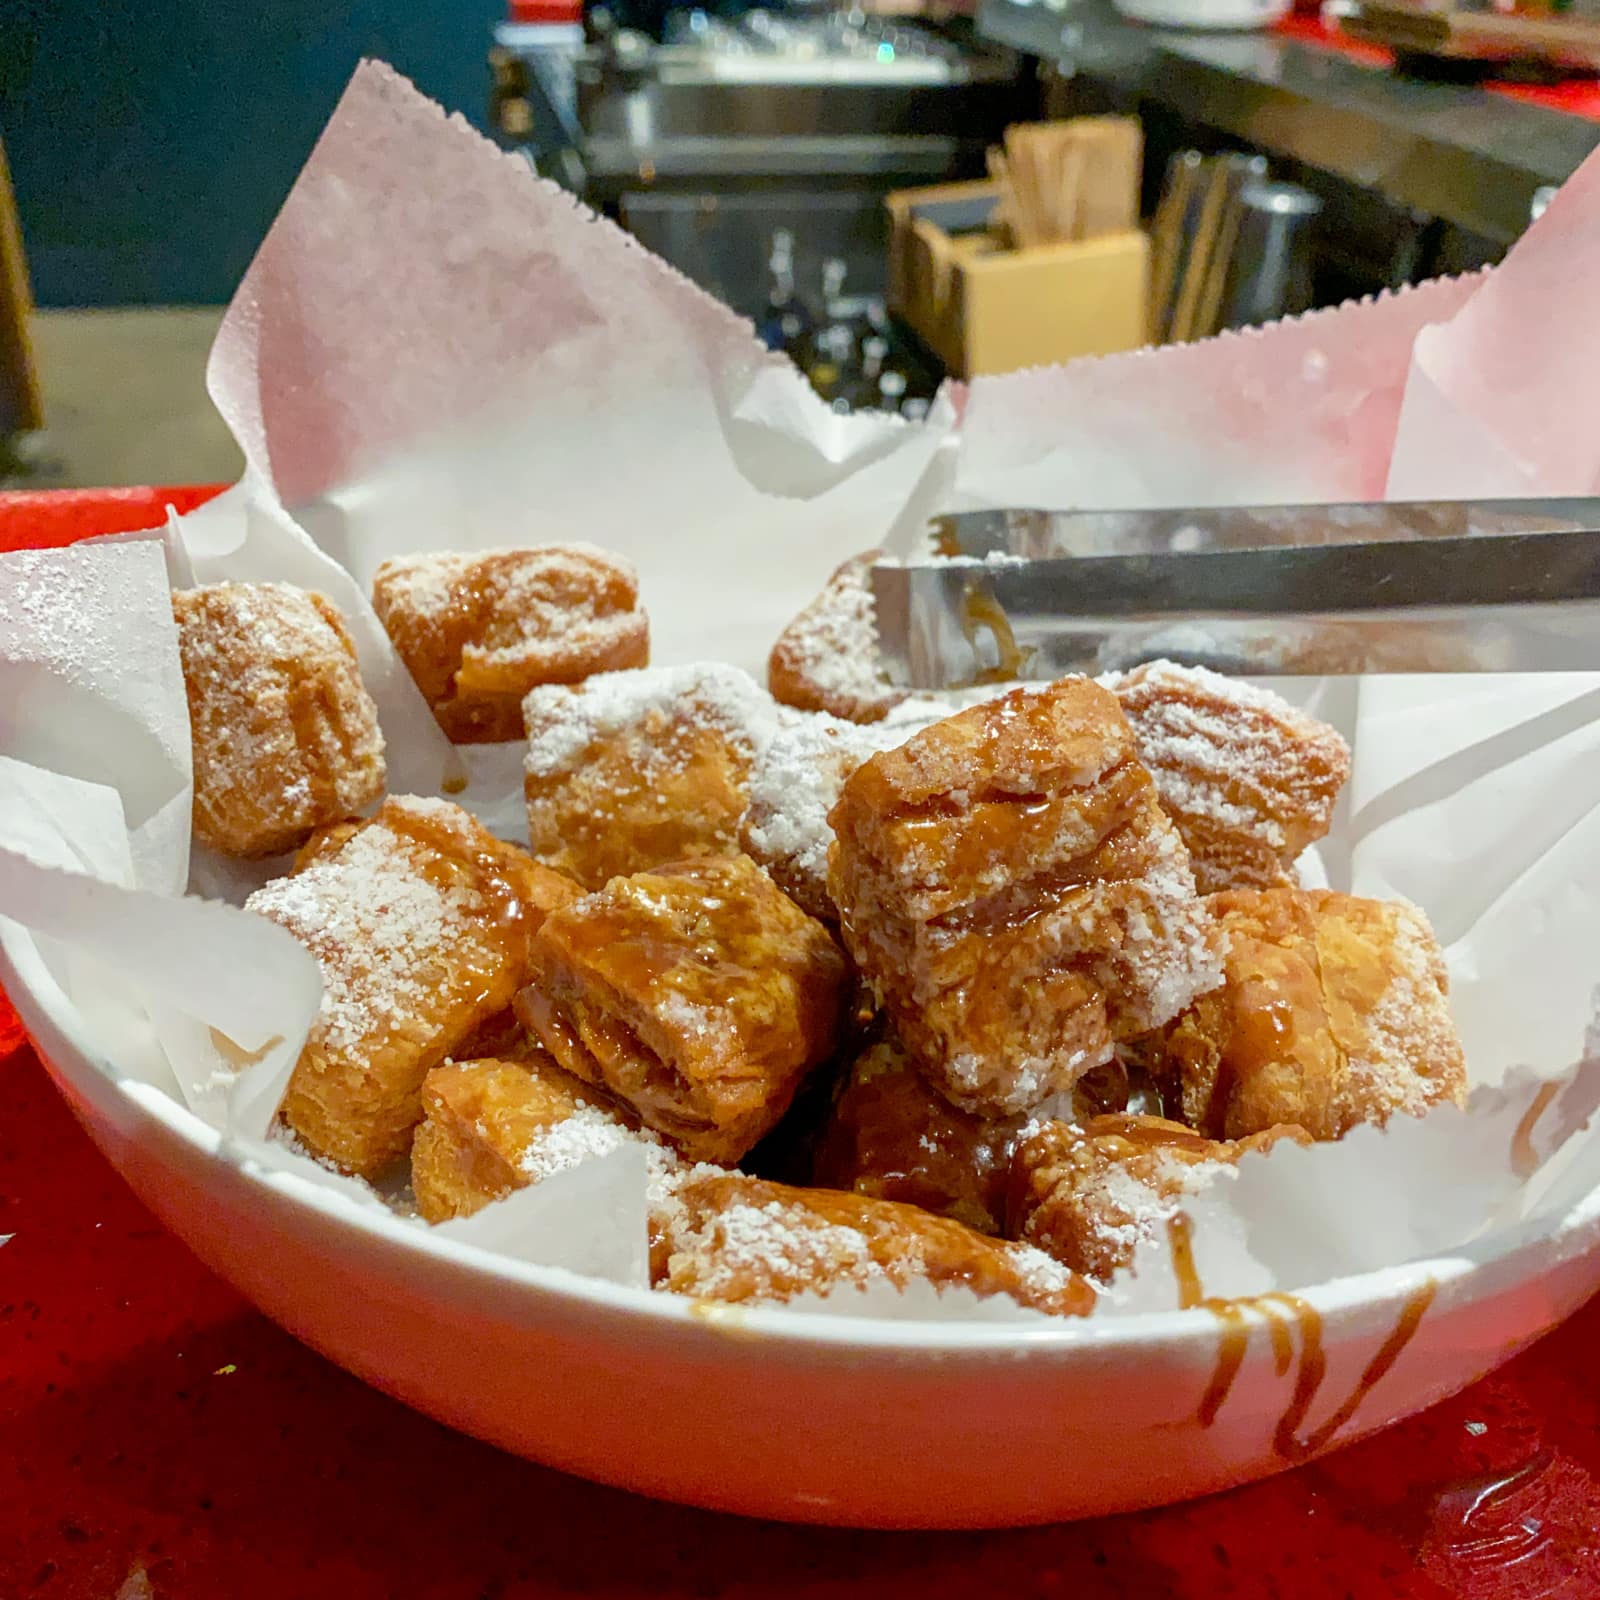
(151,144)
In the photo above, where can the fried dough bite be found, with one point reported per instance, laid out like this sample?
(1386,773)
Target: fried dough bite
(746,1241)
(492,1127)
(827,658)
(1249,779)
(421,924)
(891,1136)
(1012,889)
(631,770)
(1087,1194)
(1334,1012)
(478,629)
(284,733)
(699,995)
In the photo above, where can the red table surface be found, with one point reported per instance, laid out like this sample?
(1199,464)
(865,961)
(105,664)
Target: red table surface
(1578,96)
(159,1438)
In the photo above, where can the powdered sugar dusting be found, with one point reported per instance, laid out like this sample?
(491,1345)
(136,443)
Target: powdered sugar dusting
(744,1242)
(1124,1208)
(793,786)
(1408,1030)
(54,605)
(588,1133)
(832,646)
(797,778)
(565,722)
(1041,1273)
(1023,1080)
(1237,766)
(1171,950)
(263,743)
(539,594)
(758,1244)
(686,1017)
(378,927)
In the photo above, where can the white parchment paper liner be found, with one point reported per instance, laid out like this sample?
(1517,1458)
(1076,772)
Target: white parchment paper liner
(435,350)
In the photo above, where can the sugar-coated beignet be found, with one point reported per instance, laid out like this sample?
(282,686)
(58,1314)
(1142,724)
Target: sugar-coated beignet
(827,658)
(739,1239)
(1089,1194)
(492,1127)
(1249,779)
(634,769)
(478,630)
(699,995)
(285,735)
(1334,1012)
(892,1136)
(326,841)
(794,784)
(420,923)
(796,780)
(1011,887)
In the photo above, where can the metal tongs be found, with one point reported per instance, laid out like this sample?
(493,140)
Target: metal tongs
(1434,586)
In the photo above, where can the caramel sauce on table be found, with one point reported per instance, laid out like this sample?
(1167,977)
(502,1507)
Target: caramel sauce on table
(1286,1317)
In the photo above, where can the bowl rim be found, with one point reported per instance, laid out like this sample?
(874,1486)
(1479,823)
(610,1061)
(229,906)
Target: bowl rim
(47,1011)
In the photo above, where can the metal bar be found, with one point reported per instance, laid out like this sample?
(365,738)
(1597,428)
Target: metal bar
(1524,602)
(1455,152)
(1037,535)
(1517,569)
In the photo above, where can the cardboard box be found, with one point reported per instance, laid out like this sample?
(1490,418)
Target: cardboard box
(983,308)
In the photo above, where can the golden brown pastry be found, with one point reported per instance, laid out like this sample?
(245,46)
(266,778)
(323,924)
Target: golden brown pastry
(1333,1013)
(795,782)
(492,1127)
(892,1137)
(326,841)
(744,1240)
(285,735)
(634,769)
(478,630)
(793,785)
(1010,885)
(420,923)
(827,658)
(1087,1195)
(1249,779)
(699,995)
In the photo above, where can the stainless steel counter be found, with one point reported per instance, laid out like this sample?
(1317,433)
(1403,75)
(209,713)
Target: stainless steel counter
(1472,159)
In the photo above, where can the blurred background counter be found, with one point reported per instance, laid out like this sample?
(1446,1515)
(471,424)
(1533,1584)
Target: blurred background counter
(842,175)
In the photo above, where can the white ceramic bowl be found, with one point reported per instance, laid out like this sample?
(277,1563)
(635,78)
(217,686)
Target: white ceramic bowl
(774,1413)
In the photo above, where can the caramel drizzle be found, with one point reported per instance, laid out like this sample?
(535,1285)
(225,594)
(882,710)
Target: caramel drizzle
(1285,1315)
(1234,1317)
(980,611)
(1133,1133)
(1524,1158)
(1180,1234)
(486,867)
(1411,1315)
